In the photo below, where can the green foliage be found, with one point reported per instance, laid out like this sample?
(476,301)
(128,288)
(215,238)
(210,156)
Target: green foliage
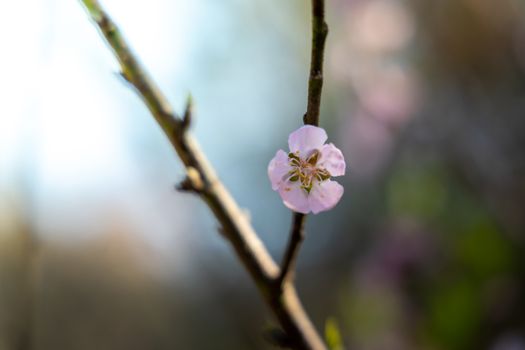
(475,252)
(417,191)
(333,334)
(370,312)
(482,249)
(454,314)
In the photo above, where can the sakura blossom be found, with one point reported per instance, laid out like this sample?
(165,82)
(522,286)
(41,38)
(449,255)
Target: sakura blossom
(302,177)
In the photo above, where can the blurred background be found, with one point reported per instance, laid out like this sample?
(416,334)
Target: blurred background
(425,98)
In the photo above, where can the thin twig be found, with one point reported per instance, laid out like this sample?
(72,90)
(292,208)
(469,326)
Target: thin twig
(315,88)
(315,81)
(290,256)
(235,226)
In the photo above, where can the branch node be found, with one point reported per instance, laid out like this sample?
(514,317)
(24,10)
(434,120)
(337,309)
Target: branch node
(324,30)
(124,78)
(192,182)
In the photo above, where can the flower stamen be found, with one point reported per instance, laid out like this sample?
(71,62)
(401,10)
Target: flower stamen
(306,170)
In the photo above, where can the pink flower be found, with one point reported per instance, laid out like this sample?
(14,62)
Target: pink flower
(302,177)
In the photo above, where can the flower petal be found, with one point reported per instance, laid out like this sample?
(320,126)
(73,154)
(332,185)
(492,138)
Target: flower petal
(307,138)
(294,197)
(324,196)
(278,168)
(332,159)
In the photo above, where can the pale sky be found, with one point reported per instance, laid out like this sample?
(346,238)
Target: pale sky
(80,146)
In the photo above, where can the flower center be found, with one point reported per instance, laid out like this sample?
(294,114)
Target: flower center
(306,170)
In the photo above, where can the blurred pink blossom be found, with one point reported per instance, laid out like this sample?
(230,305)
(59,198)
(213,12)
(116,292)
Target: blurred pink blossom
(302,177)
(380,26)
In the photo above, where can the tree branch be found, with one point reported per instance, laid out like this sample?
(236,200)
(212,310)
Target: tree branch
(290,256)
(234,224)
(315,81)
(315,89)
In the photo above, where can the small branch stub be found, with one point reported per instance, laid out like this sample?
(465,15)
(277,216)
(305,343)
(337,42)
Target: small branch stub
(187,118)
(192,183)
